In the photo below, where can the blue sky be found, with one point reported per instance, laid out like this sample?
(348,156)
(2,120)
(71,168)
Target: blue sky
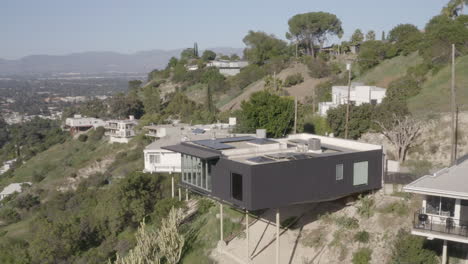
(66,26)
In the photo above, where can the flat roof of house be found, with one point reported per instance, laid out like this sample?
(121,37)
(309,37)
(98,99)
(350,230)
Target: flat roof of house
(13,187)
(252,150)
(126,121)
(353,87)
(448,182)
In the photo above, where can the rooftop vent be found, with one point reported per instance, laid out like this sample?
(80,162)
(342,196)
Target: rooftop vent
(315,145)
(261,133)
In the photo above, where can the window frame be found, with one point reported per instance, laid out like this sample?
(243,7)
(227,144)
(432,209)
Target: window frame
(359,183)
(342,171)
(241,184)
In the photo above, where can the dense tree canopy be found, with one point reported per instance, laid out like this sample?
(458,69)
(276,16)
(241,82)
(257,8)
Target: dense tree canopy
(370,35)
(261,47)
(314,28)
(268,111)
(357,37)
(406,37)
(373,52)
(208,55)
(360,120)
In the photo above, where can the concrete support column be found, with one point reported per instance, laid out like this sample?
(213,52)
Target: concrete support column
(247,234)
(277,236)
(180,194)
(444,252)
(172,185)
(221,230)
(186,194)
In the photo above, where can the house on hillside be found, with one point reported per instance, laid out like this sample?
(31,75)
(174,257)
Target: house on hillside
(158,159)
(254,172)
(358,94)
(444,209)
(121,131)
(228,68)
(13,188)
(79,123)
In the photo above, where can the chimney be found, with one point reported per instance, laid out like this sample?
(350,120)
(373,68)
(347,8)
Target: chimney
(315,145)
(131,117)
(261,133)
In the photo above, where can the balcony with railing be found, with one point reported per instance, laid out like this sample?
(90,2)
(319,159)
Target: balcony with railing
(443,225)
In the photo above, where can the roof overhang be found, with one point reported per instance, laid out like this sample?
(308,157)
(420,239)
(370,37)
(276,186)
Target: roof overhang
(435,192)
(193,151)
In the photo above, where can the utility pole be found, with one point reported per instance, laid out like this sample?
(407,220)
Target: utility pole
(348,67)
(453,154)
(295,114)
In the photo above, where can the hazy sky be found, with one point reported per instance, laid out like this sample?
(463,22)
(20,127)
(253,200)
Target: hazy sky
(66,26)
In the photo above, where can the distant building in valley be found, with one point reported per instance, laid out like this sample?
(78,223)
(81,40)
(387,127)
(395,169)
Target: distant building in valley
(121,131)
(228,68)
(79,123)
(359,94)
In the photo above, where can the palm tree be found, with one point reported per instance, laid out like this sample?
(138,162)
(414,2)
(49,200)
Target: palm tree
(454,8)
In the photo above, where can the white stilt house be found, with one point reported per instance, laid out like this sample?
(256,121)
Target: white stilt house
(444,210)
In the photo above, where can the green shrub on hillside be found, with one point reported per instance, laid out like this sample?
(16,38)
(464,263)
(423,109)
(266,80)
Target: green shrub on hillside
(366,206)
(83,138)
(410,249)
(362,256)
(9,215)
(293,79)
(347,222)
(362,237)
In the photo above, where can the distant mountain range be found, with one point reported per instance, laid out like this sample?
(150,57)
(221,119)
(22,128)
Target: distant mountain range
(96,62)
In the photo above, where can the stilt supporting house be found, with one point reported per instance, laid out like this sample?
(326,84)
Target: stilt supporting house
(180,194)
(444,252)
(221,237)
(247,234)
(172,185)
(186,194)
(277,235)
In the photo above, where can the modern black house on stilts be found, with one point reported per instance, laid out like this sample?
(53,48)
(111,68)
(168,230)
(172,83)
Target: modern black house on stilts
(254,173)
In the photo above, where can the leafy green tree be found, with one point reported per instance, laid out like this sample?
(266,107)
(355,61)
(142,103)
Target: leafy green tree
(208,55)
(268,111)
(180,73)
(410,249)
(360,120)
(406,37)
(262,47)
(370,35)
(357,37)
(151,100)
(383,36)
(13,251)
(187,54)
(402,89)
(172,62)
(122,106)
(314,28)
(373,52)
(440,33)
(234,57)
(4,134)
(134,85)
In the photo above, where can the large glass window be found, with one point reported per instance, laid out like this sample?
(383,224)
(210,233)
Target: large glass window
(236,186)
(440,206)
(361,173)
(196,172)
(339,172)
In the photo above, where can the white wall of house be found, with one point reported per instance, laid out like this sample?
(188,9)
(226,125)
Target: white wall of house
(359,94)
(162,161)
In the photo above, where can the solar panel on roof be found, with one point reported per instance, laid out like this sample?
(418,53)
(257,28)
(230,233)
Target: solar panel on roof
(234,139)
(262,141)
(198,131)
(260,159)
(213,144)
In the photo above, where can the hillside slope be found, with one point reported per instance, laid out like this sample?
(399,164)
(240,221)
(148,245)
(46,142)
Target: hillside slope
(389,70)
(301,90)
(435,93)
